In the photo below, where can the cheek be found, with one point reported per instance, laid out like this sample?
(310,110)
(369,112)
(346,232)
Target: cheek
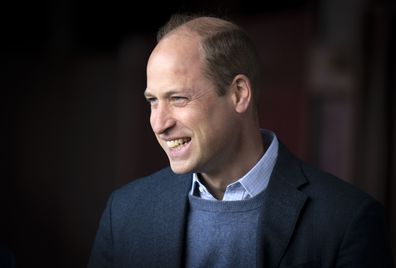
(212,127)
(205,116)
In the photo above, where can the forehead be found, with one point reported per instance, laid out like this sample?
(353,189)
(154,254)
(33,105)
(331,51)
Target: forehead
(175,63)
(180,49)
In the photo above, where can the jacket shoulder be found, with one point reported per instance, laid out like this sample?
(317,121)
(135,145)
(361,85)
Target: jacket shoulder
(147,182)
(323,182)
(157,186)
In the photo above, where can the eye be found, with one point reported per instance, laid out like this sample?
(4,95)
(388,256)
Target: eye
(179,100)
(152,101)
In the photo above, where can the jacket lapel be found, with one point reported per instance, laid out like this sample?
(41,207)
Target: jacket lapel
(171,217)
(282,207)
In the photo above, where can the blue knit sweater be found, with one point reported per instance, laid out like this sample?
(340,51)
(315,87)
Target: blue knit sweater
(222,233)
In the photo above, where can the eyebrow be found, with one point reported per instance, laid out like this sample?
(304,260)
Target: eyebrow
(168,93)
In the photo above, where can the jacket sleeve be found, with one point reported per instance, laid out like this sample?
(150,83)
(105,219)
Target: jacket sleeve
(102,251)
(366,242)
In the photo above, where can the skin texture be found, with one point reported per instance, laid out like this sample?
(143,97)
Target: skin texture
(185,108)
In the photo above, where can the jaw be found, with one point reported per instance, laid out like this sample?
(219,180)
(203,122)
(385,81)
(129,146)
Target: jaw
(179,168)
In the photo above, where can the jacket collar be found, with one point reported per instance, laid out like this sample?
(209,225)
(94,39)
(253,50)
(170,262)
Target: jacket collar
(281,210)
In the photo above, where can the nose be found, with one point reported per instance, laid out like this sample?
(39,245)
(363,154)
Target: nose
(161,118)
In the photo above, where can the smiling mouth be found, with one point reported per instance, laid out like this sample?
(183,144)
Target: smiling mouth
(177,143)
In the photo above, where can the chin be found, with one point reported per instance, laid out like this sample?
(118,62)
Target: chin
(180,169)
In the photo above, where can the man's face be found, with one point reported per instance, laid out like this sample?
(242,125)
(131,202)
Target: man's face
(191,122)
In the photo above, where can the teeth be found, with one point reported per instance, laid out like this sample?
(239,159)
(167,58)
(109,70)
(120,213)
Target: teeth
(176,143)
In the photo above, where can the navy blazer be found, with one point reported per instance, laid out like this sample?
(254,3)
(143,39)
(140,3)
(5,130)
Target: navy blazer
(309,219)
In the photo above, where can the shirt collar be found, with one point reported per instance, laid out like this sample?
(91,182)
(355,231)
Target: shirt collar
(253,182)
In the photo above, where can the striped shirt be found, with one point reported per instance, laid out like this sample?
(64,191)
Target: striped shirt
(253,182)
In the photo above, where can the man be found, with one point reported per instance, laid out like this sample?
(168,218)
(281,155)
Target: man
(233,195)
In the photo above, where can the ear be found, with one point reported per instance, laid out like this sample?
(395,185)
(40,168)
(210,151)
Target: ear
(242,93)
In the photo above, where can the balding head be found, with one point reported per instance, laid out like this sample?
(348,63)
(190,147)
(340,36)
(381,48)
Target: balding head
(226,49)
(203,26)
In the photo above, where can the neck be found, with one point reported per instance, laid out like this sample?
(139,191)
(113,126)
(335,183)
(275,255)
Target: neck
(249,151)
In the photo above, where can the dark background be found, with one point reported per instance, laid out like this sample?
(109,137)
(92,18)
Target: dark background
(75,123)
